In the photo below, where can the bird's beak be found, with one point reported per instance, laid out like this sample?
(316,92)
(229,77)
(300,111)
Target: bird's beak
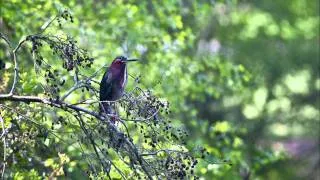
(134,59)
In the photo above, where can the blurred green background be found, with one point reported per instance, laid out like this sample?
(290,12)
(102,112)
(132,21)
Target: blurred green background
(241,76)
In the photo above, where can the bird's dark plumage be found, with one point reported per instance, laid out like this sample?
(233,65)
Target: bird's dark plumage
(113,83)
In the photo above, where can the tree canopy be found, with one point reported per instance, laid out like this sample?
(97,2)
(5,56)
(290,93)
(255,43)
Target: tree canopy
(222,89)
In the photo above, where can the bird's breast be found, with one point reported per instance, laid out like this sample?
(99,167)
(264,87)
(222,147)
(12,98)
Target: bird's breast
(123,81)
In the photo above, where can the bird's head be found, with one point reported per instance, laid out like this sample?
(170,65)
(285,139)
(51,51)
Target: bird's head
(118,65)
(120,61)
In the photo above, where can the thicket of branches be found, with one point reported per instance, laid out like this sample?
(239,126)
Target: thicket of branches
(61,114)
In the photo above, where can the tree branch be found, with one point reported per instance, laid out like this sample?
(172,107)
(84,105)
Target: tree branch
(63,105)
(16,66)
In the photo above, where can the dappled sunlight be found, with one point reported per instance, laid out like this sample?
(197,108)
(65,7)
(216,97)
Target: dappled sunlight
(221,89)
(299,82)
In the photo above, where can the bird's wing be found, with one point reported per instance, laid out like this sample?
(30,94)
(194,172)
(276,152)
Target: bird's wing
(106,87)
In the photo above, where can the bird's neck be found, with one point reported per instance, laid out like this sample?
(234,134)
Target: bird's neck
(117,69)
(120,74)
(123,81)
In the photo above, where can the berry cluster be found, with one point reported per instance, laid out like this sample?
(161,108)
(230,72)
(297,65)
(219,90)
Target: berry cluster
(180,166)
(146,118)
(65,48)
(66,15)
(53,83)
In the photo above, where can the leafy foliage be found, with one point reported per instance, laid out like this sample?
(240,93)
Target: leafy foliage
(242,79)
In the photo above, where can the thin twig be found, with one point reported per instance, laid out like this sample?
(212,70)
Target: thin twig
(81,123)
(117,169)
(81,83)
(88,159)
(16,66)
(75,87)
(167,151)
(47,24)
(3,137)
(2,36)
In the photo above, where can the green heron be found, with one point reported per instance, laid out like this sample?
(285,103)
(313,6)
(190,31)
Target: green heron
(113,83)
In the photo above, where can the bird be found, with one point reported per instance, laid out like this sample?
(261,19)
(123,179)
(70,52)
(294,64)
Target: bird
(113,83)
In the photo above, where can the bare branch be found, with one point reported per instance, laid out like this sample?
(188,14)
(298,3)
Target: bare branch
(47,24)
(2,36)
(13,53)
(3,137)
(16,66)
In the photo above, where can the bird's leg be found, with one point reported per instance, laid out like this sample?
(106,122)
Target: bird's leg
(115,114)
